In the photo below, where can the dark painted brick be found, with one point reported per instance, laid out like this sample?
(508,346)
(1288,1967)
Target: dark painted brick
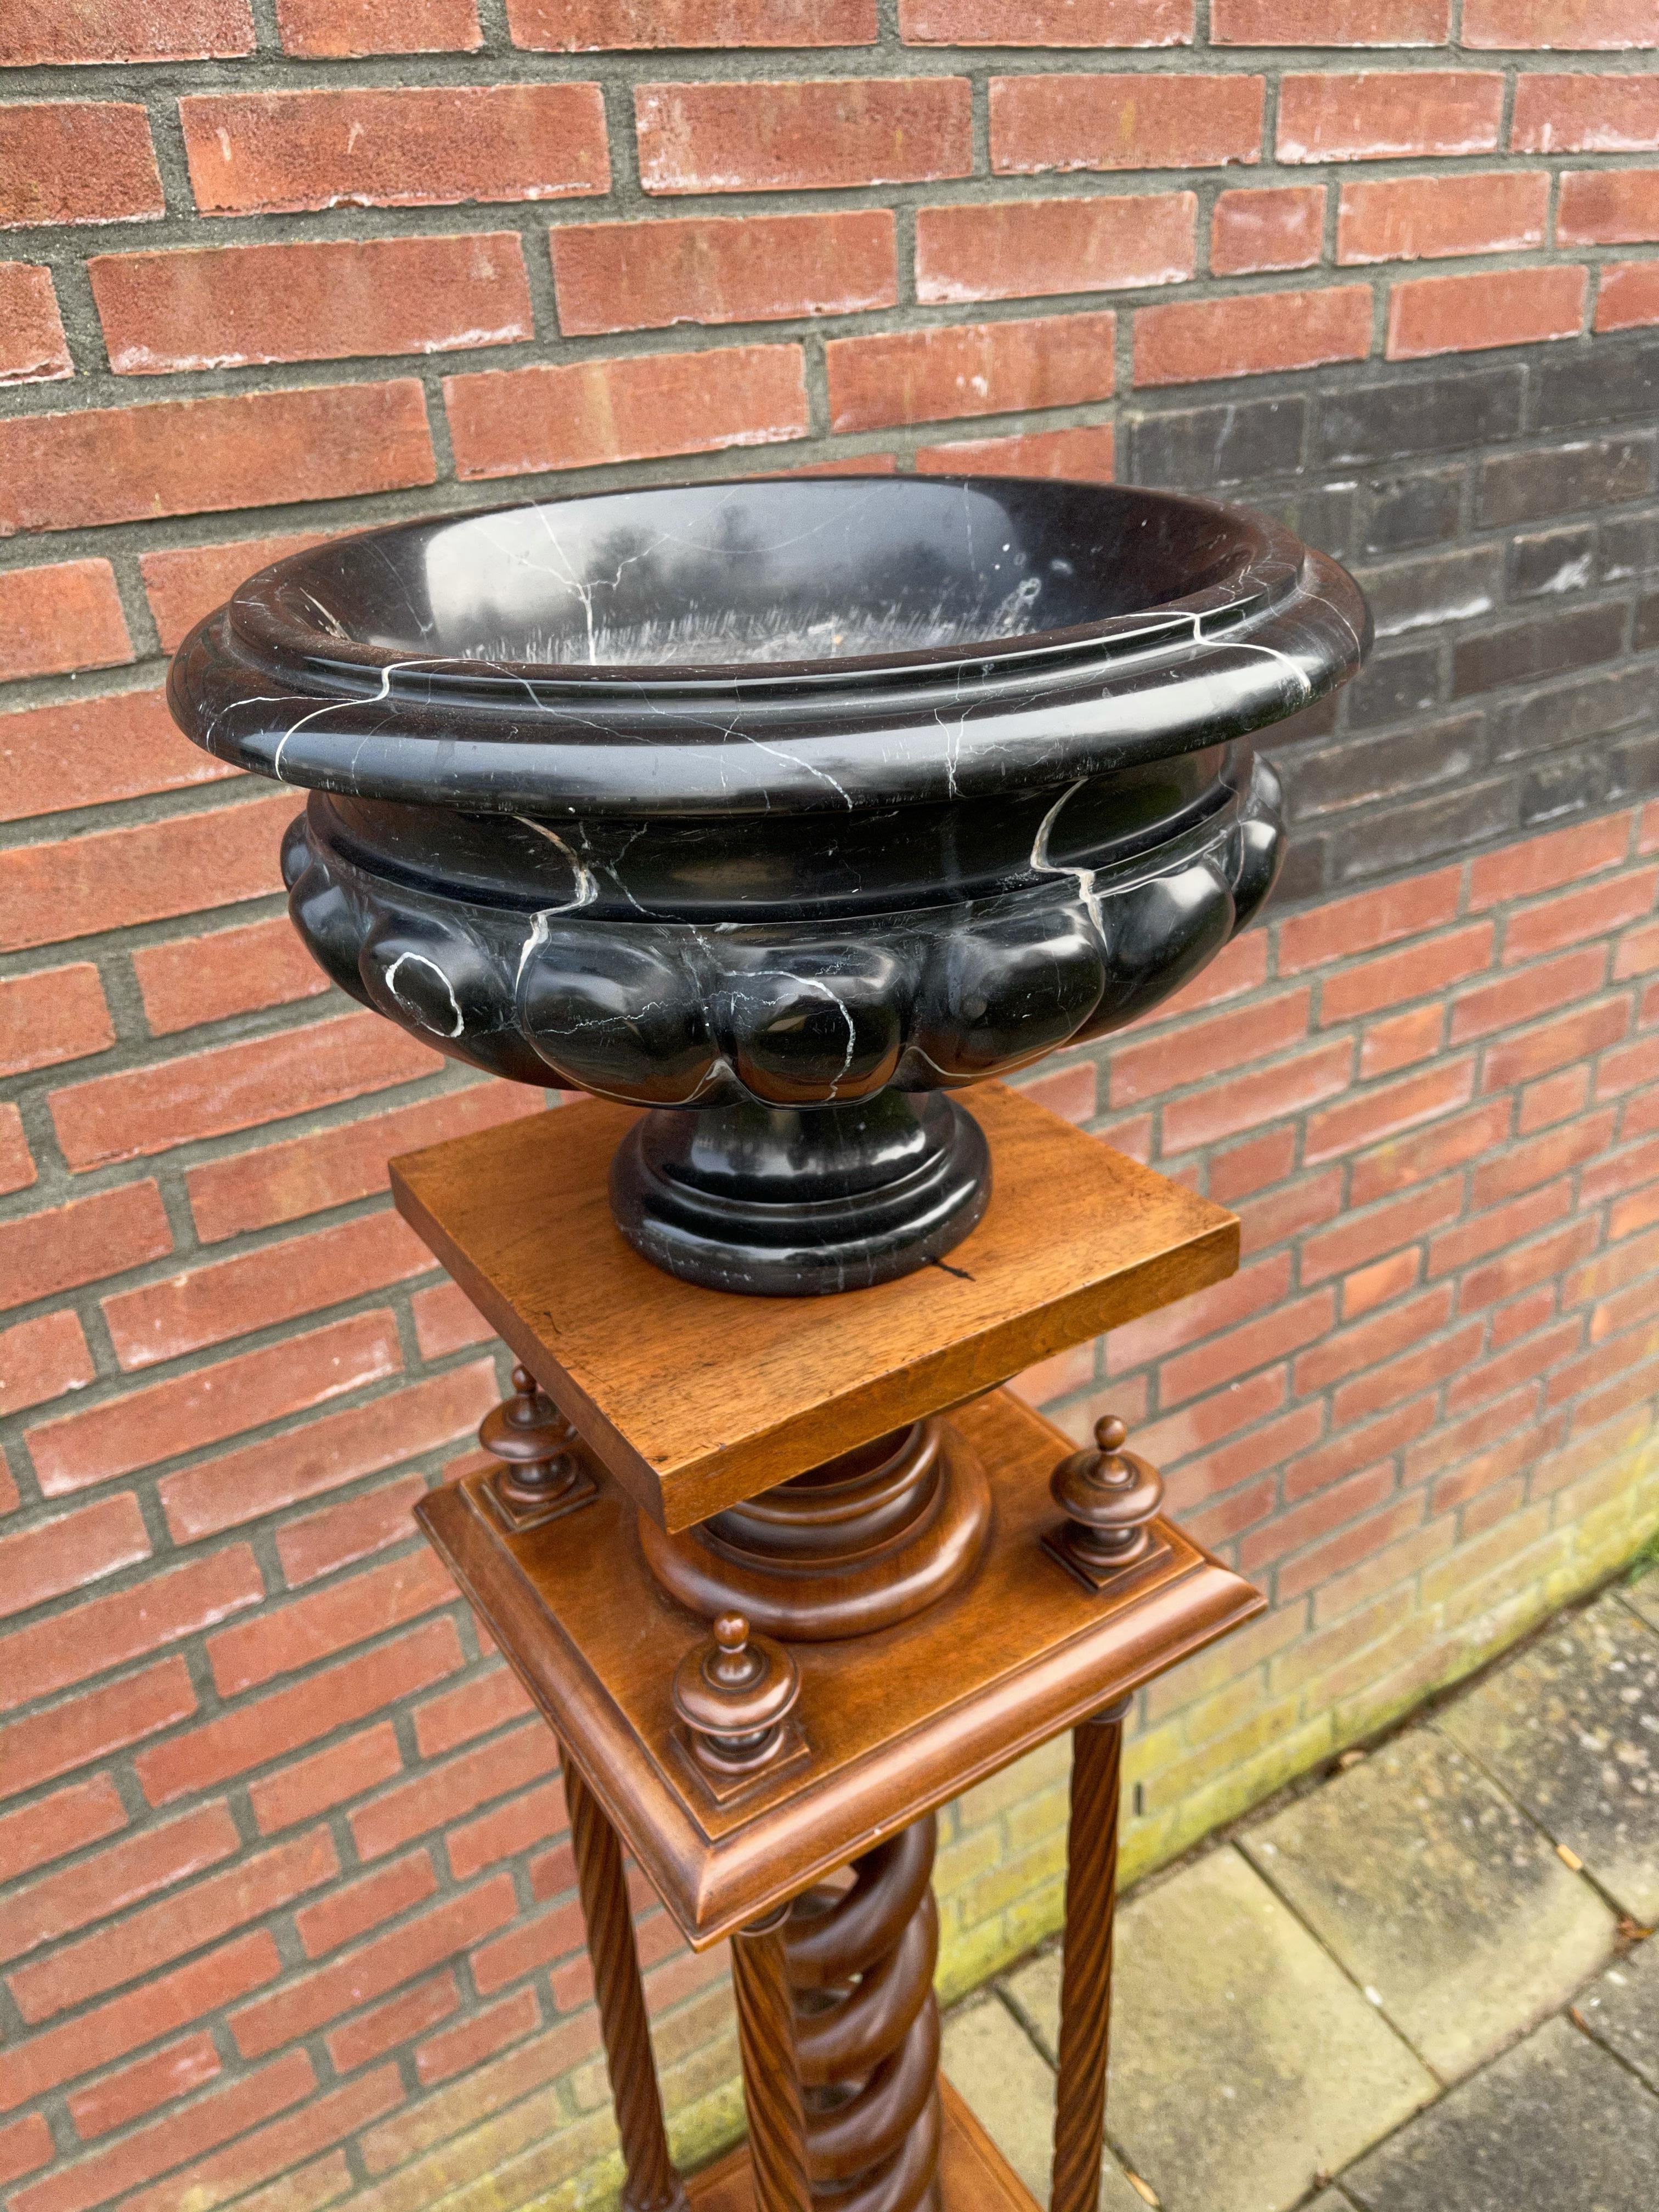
(1394,684)
(1570,712)
(1305,874)
(1383,767)
(1201,447)
(1541,645)
(1435,588)
(1420,414)
(1329,519)
(1645,637)
(1633,766)
(1629,546)
(1424,510)
(1564,786)
(1553,561)
(1606,381)
(1393,840)
(1558,480)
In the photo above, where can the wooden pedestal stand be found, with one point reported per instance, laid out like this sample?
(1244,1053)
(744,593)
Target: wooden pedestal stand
(901,1606)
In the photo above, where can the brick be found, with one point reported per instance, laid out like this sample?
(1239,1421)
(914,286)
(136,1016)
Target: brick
(456,1717)
(1386,1047)
(1528,1263)
(254,1734)
(581,414)
(1541,864)
(1388,1111)
(184,582)
(804,134)
(374,1968)
(192,456)
(1330,22)
(1637,951)
(89,1639)
(1627,296)
(537,1941)
(713,269)
(1290,1087)
(1383,1337)
(67,616)
(1636,1065)
(1554,1099)
(439,1793)
(1585,115)
(510,1828)
(1286,1213)
(1357,1446)
(336,30)
(90,751)
(1102,121)
(151,2150)
(1496,307)
(1608,207)
(261,1478)
(1084,454)
(162,2002)
(109,878)
(446,1321)
(1510,1224)
(342,1534)
(408,146)
(108,1882)
(458,2050)
(63,1822)
(42,1359)
(17,1169)
(286,1636)
(1553,1044)
(172,2071)
(70,1551)
(321,299)
(235,1086)
(277,2147)
(26,2145)
(1255,1344)
(62,1737)
(1364,923)
(1239,966)
(1332,1507)
(279,1282)
(1610,25)
(1383,1280)
(1019,249)
(1073,1092)
(1513,999)
(578,27)
(1369,1234)
(211,1403)
(1361,986)
(1359,1541)
(42,1254)
(1281,227)
(76,161)
(1382,115)
(306,1787)
(1574,915)
(33,350)
(188,980)
(1190,341)
(129,30)
(158,1933)
(1523,1166)
(1636,1164)
(983,368)
(1429,218)
(1208,1047)
(400,2019)
(1253,1291)
(307,1175)
(352,1910)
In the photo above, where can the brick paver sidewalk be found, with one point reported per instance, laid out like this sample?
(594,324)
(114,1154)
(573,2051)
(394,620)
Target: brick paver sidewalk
(1420,1985)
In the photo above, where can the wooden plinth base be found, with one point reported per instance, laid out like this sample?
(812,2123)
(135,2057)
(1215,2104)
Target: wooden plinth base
(974,2175)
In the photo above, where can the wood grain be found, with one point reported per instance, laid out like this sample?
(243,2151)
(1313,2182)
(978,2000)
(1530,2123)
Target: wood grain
(895,1723)
(696,1399)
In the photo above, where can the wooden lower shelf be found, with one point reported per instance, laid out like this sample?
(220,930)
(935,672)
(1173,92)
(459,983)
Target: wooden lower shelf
(974,2175)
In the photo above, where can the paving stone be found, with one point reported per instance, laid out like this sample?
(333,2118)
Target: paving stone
(1642,1597)
(1246,2067)
(1010,2088)
(1570,1729)
(1440,1898)
(1623,2011)
(1555,2125)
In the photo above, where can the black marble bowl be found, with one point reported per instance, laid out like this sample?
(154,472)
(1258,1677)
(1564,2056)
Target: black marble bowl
(798,802)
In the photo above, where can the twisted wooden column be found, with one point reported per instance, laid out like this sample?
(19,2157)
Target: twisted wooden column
(861,1962)
(652,2185)
(1086,1986)
(771,2074)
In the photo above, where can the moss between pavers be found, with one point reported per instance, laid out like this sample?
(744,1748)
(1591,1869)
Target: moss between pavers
(1208,1760)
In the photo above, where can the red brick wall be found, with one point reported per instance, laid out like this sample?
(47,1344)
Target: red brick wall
(287,1911)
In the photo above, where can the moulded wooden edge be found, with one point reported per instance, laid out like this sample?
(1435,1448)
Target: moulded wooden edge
(974,2175)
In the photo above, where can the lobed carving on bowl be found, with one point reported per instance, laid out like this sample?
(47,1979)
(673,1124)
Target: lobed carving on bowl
(676,1013)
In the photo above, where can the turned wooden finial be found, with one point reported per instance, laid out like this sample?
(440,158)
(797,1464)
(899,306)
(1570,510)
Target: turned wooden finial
(540,1474)
(1110,1498)
(734,1695)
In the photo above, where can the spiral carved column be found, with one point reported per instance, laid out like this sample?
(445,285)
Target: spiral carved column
(861,1965)
(1086,1986)
(652,2185)
(771,2075)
